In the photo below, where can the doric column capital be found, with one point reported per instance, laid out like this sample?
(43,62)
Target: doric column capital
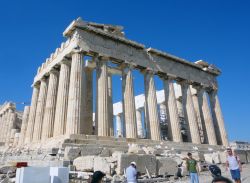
(44,78)
(53,71)
(184,83)
(36,84)
(212,90)
(198,87)
(167,77)
(78,50)
(103,58)
(65,61)
(148,71)
(126,67)
(11,110)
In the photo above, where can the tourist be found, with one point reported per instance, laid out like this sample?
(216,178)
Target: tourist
(234,165)
(221,179)
(131,173)
(97,177)
(192,168)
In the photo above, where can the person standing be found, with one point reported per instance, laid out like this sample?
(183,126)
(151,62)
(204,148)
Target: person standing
(192,168)
(234,165)
(131,173)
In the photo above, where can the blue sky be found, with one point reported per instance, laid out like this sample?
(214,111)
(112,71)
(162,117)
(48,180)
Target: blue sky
(215,31)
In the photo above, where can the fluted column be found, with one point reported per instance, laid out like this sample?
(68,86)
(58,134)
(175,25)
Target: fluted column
(129,103)
(103,99)
(62,99)
(88,101)
(50,106)
(1,126)
(25,118)
(40,110)
(174,129)
(151,105)
(111,127)
(75,99)
(189,113)
(32,114)
(206,116)
(3,135)
(119,125)
(139,123)
(11,121)
(220,129)
(200,121)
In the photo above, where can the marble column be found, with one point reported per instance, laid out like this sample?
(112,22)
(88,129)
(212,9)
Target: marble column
(103,98)
(189,113)
(151,105)
(1,126)
(146,122)
(88,101)
(62,99)
(50,106)
(174,129)
(206,116)
(119,125)
(3,135)
(11,121)
(25,118)
(32,114)
(75,100)
(129,103)
(201,123)
(220,129)
(40,110)
(139,123)
(110,95)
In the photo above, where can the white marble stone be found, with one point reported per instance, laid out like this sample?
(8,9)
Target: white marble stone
(33,175)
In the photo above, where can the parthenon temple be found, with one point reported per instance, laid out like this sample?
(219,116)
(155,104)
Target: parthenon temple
(65,101)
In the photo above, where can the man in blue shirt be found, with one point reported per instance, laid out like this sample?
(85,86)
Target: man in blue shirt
(131,173)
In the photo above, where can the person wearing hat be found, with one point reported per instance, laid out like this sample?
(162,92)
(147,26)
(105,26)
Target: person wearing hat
(131,173)
(97,177)
(192,168)
(234,165)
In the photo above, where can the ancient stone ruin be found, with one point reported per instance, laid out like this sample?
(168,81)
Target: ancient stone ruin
(61,119)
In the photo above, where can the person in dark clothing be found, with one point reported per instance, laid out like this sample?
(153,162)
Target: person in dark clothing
(221,179)
(97,177)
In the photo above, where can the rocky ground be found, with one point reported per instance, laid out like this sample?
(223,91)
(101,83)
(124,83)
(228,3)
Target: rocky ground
(205,177)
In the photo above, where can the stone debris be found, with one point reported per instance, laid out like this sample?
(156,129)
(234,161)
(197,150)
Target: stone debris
(72,152)
(135,149)
(242,155)
(102,164)
(166,166)
(84,163)
(142,161)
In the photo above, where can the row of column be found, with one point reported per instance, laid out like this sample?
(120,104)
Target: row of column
(195,109)
(62,104)
(7,121)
